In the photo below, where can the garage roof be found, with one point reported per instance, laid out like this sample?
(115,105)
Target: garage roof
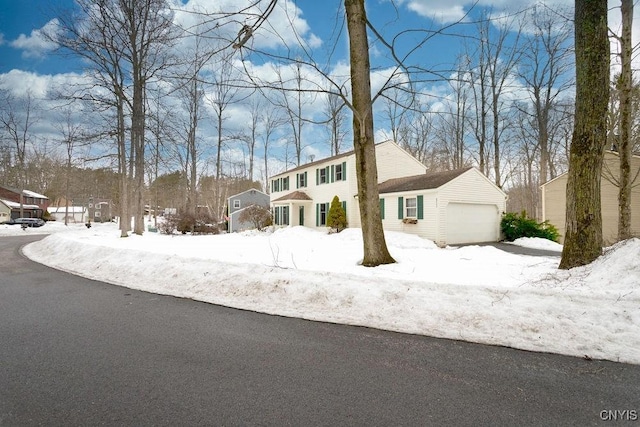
(427,181)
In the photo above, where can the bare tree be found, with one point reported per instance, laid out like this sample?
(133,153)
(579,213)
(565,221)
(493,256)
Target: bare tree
(125,43)
(583,239)
(271,121)
(375,246)
(543,68)
(334,111)
(72,135)
(18,116)
(625,83)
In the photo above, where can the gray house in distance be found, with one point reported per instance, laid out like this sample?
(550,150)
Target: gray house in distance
(237,203)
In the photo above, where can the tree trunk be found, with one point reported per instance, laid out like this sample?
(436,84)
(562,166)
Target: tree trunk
(583,240)
(375,246)
(624,145)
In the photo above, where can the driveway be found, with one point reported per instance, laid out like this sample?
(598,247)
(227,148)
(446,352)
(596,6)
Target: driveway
(78,352)
(514,249)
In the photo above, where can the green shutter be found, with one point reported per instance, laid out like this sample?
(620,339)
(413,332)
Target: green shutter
(301,216)
(344,207)
(333,173)
(344,171)
(297,180)
(400,208)
(317,214)
(317,176)
(420,207)
(306,183)
(381,208)
(326,174)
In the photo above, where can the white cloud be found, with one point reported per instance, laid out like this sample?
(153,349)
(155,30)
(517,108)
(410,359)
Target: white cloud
(448,11)
(36,44)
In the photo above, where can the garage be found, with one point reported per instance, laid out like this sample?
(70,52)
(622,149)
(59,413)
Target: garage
(449,207)
(472,223)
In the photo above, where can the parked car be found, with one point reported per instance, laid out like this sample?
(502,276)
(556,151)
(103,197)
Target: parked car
(28,222)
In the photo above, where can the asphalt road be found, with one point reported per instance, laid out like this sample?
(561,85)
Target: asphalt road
(79,352)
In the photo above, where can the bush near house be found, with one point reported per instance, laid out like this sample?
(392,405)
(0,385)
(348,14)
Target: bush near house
(257,216)
(337,218)
(187,223)
(515,226)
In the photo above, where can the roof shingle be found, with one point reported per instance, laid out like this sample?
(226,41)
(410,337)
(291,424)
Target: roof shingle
(425,181)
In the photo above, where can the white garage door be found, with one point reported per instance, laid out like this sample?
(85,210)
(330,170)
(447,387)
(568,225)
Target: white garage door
(472,223)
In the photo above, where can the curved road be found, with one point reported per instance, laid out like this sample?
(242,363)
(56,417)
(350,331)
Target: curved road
(79,352)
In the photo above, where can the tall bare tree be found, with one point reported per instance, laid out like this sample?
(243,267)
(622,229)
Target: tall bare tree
(625,84)
(543,68)
(125,44)
(18,116)
(583,239)
(375,246)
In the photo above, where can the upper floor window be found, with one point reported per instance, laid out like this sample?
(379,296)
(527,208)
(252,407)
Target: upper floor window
(339,171)
(301,180)
(323,176)
(236,204)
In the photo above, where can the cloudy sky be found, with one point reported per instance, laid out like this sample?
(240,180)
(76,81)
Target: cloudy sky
(28,62)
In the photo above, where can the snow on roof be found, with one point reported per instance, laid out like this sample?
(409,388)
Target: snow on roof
(62,209)
(33,194)
(16,205)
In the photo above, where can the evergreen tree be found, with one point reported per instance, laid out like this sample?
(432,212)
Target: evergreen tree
(337,216)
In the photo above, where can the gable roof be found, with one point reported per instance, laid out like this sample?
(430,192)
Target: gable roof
(26,193)
(249,190)
(296,195)
(427,181)
(326,159)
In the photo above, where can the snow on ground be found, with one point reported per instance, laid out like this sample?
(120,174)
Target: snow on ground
(537,243)
(472,293)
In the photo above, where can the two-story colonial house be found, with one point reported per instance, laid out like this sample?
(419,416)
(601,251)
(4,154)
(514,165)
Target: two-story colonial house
(301,196)
(452,207)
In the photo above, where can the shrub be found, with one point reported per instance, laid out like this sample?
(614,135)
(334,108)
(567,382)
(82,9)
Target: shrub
(187,223)
(337,218)
(515,226)
(258,216)
(168,225)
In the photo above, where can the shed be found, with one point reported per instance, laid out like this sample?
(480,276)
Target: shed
(452,207)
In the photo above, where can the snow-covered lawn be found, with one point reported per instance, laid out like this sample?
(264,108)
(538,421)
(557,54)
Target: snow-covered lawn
(473,293)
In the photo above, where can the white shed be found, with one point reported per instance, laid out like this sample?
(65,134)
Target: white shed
(451,207)
(74,214)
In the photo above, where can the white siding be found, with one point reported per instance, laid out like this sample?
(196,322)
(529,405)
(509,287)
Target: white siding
(470,187)
(392,162)
(425,227)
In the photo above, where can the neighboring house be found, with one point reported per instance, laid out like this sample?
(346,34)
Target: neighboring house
(5,211)
(99,210)
(33,204)
(74,214)
(239,202)
(450,207)
(554,198)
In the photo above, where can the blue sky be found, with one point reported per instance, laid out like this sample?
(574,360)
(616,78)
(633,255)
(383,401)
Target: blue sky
(27,62)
